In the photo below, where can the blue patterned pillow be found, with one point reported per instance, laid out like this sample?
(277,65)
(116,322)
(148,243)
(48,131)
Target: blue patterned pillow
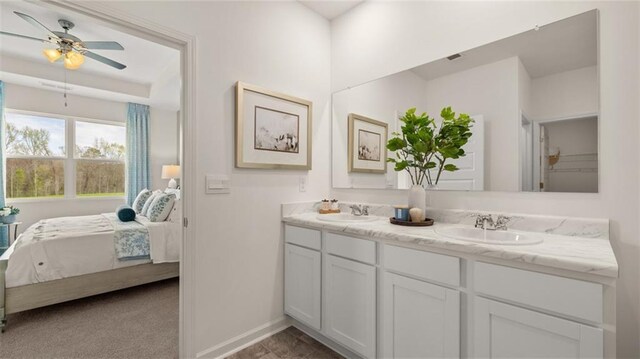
(148,202)
(140,200)
(161,207)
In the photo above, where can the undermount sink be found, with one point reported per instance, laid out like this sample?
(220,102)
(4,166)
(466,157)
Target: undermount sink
(489,237)
(345,217)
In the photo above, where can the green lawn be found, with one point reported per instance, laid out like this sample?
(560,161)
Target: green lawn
(84,195)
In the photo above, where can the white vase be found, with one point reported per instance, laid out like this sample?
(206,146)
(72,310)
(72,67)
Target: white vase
(417,197)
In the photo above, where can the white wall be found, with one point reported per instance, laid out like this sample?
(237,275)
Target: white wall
(163,145)
(380,100)
(282,46)
(491,91)
(433,30)
(566,94)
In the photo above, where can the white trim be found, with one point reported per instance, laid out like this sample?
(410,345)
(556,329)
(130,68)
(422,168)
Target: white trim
(187,45)
(245,339)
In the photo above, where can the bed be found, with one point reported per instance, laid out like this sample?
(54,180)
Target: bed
(66,258)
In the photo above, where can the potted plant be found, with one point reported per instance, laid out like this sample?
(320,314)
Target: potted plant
(424,146)
(8,214)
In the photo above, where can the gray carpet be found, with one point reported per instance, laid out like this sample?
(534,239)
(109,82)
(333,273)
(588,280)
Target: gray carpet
(139,322)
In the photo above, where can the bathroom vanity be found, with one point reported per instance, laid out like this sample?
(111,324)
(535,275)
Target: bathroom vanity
(377,290)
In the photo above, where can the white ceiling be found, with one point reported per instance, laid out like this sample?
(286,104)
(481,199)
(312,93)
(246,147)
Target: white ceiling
(330,9)
(565,45)
(152,70)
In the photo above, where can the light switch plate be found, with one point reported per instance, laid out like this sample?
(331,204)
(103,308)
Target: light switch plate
(303,183)
(217,184)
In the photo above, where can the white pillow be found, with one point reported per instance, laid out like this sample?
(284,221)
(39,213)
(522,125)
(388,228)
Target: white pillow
(176,212)
(149,201)
(140,200)
(175,191)
(161,207)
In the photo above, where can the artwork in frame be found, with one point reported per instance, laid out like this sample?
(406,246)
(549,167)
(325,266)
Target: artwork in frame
(273,130)
(367,145)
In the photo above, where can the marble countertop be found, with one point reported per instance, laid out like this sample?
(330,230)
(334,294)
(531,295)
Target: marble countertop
(573,253)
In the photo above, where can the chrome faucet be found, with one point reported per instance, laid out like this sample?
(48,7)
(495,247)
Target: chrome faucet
(485,221)
(359,210)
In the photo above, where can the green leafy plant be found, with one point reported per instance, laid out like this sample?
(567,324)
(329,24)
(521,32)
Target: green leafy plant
(423,145)
(8,211)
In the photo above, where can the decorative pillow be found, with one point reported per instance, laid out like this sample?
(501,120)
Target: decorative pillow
(140,200)
(175,191)
(161,207)
(176,212)
(148,202)
(126,213)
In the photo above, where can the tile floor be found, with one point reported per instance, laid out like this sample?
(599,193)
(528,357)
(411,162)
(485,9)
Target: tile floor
(289,343)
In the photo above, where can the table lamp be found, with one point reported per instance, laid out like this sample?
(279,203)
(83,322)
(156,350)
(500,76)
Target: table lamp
(171,172)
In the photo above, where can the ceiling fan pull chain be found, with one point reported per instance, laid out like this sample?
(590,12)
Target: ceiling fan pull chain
(65,86)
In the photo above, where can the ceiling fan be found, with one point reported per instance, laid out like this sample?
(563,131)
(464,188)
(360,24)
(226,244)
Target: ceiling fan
(70,48)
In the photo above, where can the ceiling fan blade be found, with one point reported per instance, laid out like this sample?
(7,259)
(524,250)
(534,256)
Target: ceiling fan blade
(23,36)
(37,24)
(102,45)
(104,60)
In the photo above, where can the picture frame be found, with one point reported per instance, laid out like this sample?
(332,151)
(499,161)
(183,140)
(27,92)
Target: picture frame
(273,130)
(367,144)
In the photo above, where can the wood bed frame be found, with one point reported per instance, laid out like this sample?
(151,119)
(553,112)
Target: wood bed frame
(18,299)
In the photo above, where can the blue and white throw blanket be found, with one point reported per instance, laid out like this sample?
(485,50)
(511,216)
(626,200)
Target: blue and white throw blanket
(131,239)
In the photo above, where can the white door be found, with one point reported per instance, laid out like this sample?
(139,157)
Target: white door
(470,175)
(420,320)
(505,331)
(350,305)
(302,269)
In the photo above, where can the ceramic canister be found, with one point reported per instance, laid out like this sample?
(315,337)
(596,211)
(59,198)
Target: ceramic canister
(401,213)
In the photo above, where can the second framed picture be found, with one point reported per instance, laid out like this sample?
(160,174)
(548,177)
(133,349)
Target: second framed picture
(367,145)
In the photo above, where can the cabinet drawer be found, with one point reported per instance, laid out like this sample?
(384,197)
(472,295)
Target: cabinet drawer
(572,297)
(353,248)
(425,265)
(304,237)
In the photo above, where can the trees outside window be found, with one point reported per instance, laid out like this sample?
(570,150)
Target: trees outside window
(39,165)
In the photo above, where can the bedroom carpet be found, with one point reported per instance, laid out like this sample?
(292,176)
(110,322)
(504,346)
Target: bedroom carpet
(139,322)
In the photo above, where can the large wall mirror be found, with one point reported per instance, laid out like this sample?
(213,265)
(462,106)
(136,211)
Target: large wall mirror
(534,99)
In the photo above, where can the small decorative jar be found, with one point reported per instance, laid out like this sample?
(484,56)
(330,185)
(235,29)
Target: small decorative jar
(401,213)
(334,205)
(325,205)
(8,219)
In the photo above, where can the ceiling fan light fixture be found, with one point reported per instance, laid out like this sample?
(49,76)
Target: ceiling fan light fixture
(52,54)
(73,60)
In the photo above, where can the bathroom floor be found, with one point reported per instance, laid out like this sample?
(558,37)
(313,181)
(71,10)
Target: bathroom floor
(289,343)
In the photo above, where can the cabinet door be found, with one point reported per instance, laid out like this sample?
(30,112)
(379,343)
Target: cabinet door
(420,320)
(505,331)
(350,304)
(302,270)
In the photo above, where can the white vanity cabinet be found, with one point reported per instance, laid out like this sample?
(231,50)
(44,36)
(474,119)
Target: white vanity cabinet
(350,292)
(302,276)
(506,331)
(350,304)
(375,299)
(420,319)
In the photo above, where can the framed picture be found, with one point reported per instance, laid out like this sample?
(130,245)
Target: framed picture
(367,145)
(273,130)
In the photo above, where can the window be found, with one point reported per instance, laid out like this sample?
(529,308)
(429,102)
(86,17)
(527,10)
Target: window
(40,163)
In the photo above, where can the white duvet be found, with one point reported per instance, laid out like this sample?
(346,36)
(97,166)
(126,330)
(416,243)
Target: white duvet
(75,246)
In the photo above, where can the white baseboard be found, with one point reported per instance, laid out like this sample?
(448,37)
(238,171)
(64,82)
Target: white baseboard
(244,340)
(345,352)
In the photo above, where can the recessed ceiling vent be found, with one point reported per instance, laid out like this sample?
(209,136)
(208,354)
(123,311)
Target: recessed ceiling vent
(56,86)
(453,57)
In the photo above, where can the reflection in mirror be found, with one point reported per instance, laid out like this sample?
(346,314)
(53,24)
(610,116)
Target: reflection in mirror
(534,99)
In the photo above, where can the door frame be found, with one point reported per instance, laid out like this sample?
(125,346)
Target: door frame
(186,44)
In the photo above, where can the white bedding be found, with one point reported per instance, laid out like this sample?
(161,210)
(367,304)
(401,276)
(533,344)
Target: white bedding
(81,245)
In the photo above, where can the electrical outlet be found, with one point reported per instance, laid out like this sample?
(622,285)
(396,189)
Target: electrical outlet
(302,181)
